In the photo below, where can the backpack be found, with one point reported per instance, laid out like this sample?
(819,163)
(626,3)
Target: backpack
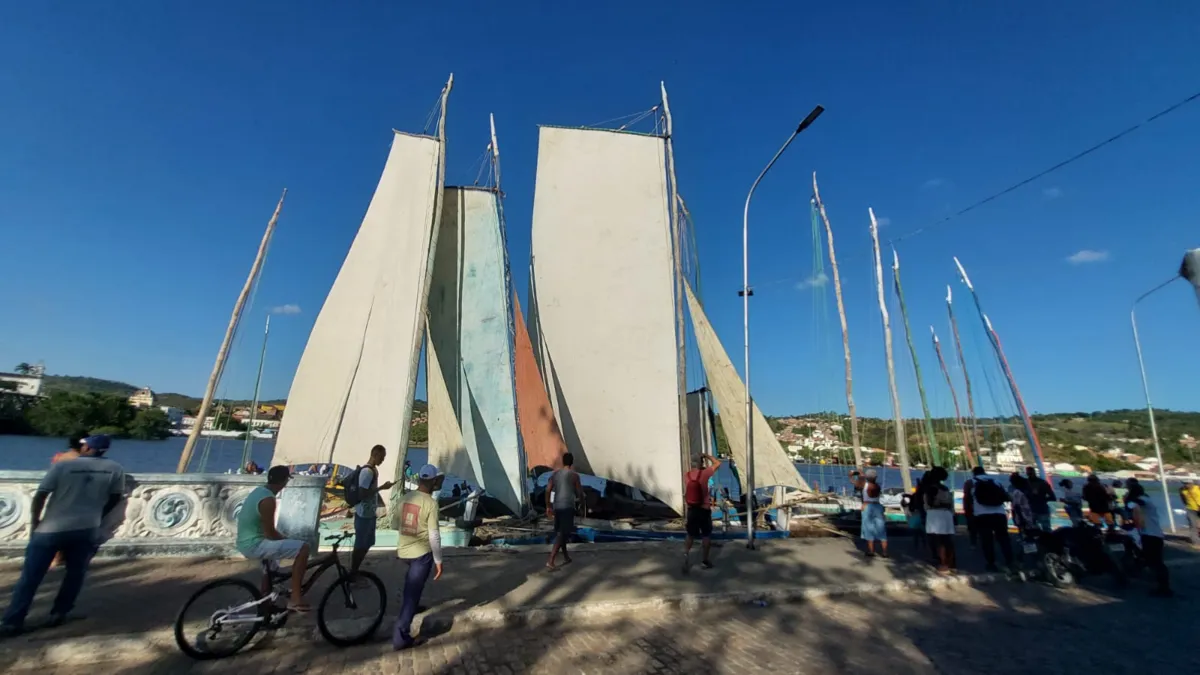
(989,493)
(693,491)
(351,490)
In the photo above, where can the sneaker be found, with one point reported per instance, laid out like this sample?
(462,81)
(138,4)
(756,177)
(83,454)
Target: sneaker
(706,564)
(56,620)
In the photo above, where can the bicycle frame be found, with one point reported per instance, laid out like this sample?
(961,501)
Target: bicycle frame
(275,579)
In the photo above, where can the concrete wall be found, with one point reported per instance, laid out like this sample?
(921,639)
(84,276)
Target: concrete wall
(171,514)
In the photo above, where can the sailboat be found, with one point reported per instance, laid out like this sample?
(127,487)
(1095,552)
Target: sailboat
(355,383)
(473,413)
(606,297)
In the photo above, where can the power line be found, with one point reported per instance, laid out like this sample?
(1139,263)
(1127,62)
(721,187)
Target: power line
(1050,170)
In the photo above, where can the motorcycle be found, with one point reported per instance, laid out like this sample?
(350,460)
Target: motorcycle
(1071,553)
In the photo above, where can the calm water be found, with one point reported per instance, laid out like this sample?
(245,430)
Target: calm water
(218,455)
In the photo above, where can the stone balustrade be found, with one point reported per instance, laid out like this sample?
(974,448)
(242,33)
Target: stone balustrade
(171,514)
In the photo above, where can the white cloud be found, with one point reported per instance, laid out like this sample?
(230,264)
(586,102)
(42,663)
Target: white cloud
(1087,255)
(817,281)
(286,309)
(1052,193)
(933,183)
(883,221)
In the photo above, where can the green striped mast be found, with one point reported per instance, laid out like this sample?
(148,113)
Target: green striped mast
(935,455)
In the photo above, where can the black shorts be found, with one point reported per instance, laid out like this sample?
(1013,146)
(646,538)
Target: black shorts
(564,521)
(699,521)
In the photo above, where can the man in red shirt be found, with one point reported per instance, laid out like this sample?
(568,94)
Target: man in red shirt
(699,507)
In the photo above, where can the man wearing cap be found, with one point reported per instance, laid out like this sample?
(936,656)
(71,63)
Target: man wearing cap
(257,538)
(420,547)
(81,493)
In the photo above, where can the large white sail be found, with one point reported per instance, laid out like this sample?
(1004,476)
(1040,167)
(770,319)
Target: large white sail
(354,386)
(469,329)
(604,307)
(771,463)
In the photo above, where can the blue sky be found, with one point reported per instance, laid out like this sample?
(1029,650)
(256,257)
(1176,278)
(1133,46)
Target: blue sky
(144,145)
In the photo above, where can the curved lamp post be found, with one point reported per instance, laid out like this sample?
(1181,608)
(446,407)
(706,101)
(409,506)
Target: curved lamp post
(746,293)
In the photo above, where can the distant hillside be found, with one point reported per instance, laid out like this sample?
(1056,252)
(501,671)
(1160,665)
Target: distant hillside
(75,384)
(84,385)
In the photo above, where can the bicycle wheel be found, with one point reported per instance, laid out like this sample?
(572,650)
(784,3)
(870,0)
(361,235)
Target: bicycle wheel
(364,599)
(211,634)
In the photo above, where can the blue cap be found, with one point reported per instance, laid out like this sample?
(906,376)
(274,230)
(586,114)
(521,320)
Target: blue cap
(98,442)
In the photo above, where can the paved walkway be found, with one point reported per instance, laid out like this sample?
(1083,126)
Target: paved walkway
(604,624)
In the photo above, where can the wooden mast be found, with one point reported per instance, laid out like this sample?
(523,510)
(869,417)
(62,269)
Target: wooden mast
(677,246)
(223,353)
(901,441)
(962,363)
(841,306)
(937,347)
(934,456)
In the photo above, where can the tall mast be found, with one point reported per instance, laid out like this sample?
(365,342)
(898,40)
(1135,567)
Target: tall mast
(1034,445)
(962,363)
(837,289)
(677,247)
(937,347)
(934,455)
(262,357)
(901,444)
(508,294)
(223,353)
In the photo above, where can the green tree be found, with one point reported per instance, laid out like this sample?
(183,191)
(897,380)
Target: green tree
(23,368)
(150,424)
(74,415)
(419,433)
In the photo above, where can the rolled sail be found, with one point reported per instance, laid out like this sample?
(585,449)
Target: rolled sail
(355,382)
(604,307)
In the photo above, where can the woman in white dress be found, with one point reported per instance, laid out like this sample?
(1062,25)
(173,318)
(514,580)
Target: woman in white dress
(939,518)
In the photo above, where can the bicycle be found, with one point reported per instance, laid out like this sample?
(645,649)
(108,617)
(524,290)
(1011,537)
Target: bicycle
(259,611)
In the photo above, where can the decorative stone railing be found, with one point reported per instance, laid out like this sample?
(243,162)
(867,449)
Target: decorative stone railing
(171,514)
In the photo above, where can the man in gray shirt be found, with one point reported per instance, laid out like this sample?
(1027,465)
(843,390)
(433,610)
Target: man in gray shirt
(81,492)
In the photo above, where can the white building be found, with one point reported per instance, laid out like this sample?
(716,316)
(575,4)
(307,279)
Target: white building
(26,385)
(174,415)
(142,398)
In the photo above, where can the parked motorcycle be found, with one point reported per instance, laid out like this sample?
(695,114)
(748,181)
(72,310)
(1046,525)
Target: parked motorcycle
(1070,553)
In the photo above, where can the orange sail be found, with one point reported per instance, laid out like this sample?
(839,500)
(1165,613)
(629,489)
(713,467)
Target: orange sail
(544,445)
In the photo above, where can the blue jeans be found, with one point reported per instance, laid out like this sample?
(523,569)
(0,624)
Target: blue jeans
(77,547)
(414,585)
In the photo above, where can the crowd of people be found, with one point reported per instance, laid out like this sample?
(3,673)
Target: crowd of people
(989,504)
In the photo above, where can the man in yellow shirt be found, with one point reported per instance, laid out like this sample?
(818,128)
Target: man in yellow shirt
(420,547)
(1190,492)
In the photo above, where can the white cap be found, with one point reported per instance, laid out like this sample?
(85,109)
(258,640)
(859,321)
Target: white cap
(429,472)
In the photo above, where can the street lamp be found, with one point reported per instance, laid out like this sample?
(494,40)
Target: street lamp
(1137,343)
(746,293)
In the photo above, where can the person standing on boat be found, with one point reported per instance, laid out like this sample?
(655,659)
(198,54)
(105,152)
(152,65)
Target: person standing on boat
(991,519)
(1145,518)
(697,494)
(365,511)
(420,546)
(562,491)
(939,518)
(873,525)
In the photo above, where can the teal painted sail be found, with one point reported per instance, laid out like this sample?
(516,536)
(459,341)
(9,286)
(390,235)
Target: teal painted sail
(470,329)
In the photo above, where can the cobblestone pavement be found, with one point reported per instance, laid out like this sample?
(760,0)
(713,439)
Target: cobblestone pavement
(1000,628)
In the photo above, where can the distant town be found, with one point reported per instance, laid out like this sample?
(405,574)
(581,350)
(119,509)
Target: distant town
(1079,442)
